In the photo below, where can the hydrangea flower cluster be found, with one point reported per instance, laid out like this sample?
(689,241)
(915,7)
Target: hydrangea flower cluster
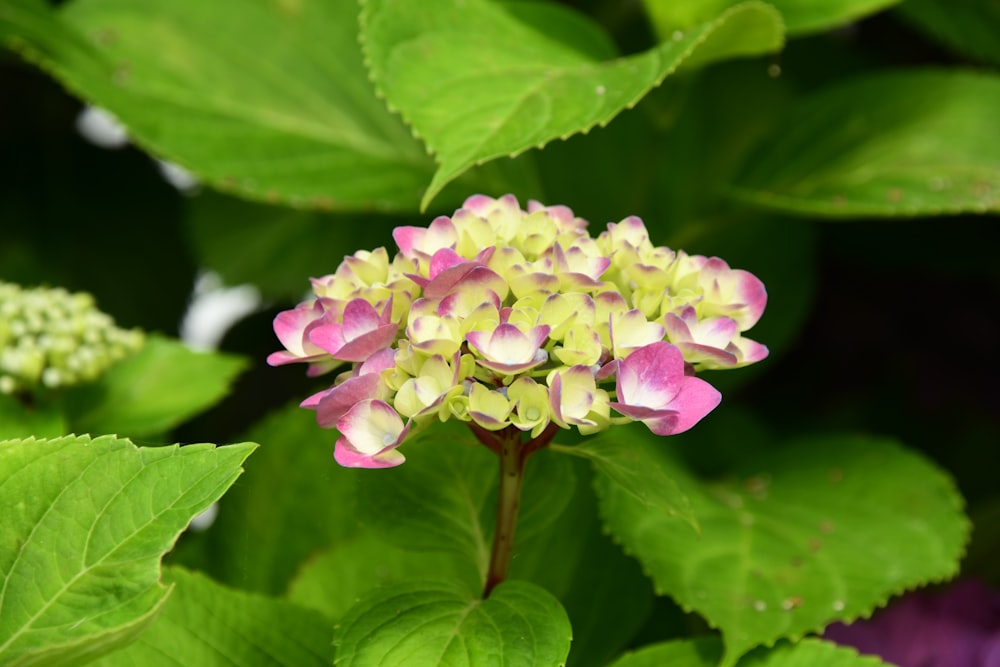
(52,338)
(510,318)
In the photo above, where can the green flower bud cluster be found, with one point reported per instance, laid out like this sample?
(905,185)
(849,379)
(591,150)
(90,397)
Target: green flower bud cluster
(52,338)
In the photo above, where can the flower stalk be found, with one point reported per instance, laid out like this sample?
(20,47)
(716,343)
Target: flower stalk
(511,480)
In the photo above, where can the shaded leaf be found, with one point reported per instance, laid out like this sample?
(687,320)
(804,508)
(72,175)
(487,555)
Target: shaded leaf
(825,529)
(634,467)
(293,502)
(706,652)
(149,393)
(966,26)
(888,144)
(519,624)
(444,497)
(85,525)
(280,247)
(209,625)
(513,87)
(590,575)
(333,581)
(22,420)
(800,16)
(269,100)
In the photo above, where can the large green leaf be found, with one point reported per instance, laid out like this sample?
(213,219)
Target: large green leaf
(520,624)
(825,529)
(152,391)
(888,144)
(204,624)
(444,498)
(85,525)
(967,26)
(800,16)
(267,99)
(479,80)
(706,652)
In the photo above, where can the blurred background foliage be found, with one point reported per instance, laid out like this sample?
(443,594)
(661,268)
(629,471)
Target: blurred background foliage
(877,323)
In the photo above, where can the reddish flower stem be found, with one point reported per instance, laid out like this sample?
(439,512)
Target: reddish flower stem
(512,455)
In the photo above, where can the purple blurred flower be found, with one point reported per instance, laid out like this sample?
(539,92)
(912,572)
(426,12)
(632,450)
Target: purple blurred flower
(956,627)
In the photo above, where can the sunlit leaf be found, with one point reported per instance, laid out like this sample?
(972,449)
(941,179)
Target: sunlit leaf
(800,16)
(504,86)
(85,525)
(825,529)
(269,100)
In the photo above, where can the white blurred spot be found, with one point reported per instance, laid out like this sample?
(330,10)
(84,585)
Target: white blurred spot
(205,519)
(101,128)
(179,177)
(215,308)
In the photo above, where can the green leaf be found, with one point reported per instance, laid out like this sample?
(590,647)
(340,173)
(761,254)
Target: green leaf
(800,16)
(888,144)
(966,26)
(85,525)
(279,246)
(150,392)
(293,503)
(208,625)
(519,624)
(636,469)
(23,420)
(591,576)
(269,100)
(827,528)
(333,581)
(504,86)
(706,652)
(444,498)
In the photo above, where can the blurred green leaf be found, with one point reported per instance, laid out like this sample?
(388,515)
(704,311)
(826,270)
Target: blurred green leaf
(515,86)
(23,420)
(800,16)
(827,528)
(706,652)
(209,625)
(293,502)
(280,248)
(152,391)
(887,144)
(519,624)
(444,497)
(85,525)
(966,26)
(333,581)
(269,100)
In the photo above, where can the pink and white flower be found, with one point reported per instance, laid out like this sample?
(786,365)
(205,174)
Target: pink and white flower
(652,388)
(370,432)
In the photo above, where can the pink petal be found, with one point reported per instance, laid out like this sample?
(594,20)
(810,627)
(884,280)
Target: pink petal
(651,375)
(347,456)
(368,344)
(695,399)
(336,402)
